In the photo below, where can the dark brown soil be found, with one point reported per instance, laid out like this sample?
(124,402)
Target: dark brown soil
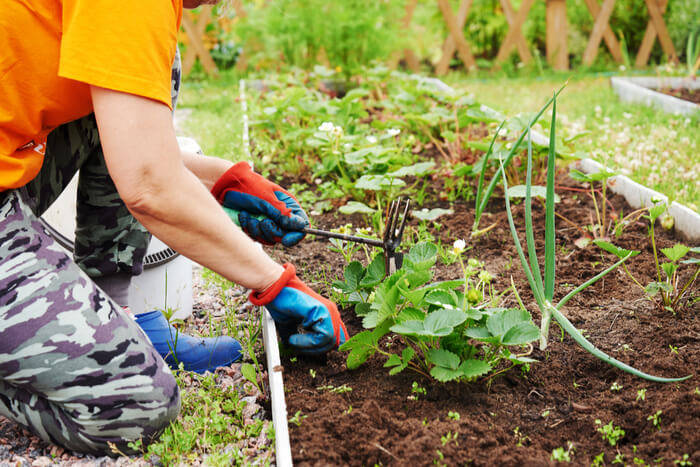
(692,95)
(517,418)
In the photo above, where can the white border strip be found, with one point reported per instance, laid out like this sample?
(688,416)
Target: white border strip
(244,105)
(283,450)
(687,221)
(642,90)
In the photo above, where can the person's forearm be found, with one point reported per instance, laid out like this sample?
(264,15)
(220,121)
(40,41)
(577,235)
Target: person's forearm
(185,216)
(144,161)
(207,169)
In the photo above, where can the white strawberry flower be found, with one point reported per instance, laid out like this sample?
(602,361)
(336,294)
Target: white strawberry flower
(337,131)
(327,127)
(458,246)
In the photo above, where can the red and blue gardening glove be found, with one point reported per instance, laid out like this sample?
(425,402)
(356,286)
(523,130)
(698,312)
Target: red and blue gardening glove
(294,305)
(253,196)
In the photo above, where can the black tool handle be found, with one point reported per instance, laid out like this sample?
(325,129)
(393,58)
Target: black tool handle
(347,238)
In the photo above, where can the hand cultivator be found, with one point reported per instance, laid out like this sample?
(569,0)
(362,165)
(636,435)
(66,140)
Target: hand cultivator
(393,232)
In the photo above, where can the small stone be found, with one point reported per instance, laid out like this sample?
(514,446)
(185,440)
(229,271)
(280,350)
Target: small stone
(42,461)
(250,410)
(103,461)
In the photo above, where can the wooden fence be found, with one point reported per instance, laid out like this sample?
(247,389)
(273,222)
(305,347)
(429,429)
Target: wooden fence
(455,42)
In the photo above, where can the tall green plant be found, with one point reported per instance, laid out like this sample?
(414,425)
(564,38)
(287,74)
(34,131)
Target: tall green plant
(484,194)
(543,291)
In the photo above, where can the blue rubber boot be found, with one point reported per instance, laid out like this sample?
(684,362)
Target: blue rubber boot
(198,354)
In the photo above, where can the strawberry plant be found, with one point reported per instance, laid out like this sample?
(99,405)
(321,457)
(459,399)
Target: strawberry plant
(598,228)
(446,330)
(668,289)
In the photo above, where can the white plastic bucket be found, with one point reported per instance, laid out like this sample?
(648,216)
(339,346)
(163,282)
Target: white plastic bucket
(166,281)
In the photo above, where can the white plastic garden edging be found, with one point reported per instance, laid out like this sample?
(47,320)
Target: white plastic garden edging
(686,221)
(283,450)
(643,90)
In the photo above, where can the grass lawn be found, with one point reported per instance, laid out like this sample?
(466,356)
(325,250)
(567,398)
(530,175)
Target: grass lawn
(659,150)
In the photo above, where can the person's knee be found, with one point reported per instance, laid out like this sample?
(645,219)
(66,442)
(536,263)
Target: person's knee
(168,397)
(137,419)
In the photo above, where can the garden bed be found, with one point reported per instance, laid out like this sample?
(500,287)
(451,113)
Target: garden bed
(519,417)
(690,95)
(673,95)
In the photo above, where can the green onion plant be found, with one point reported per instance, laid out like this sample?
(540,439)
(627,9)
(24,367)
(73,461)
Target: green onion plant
(543,290)
(483,194)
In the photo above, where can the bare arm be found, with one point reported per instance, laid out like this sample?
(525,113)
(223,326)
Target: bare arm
(206,168)
(148,170)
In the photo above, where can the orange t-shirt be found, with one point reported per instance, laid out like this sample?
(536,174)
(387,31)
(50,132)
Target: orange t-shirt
(52,50)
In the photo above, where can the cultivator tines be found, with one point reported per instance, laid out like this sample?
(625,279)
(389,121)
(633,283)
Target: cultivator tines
(393,232)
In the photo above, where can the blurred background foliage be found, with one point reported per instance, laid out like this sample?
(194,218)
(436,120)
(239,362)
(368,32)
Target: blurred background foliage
(346,35)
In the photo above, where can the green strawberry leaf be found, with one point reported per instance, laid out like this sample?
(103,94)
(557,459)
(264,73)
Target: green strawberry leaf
(518,191)
(669,269)
(656,210)
(676,252)
(360,346)
(410,314)
(521,333)
(411,327)
(353,207)
(655,287)
(442,322)
(406,356)
(444,375)
(421,168)
(362,309)
(393,360)
(387,296)
(500,322)
(472,368)
(443,358)
(422,256)
(378,182)
(442,298)
(430,214)
(374,273)
(617,251)
(479,332)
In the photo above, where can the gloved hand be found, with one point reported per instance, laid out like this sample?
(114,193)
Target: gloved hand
(243,190)
(293,304)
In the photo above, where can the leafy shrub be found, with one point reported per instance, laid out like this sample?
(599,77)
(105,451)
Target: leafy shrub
(350,34)
(302,33)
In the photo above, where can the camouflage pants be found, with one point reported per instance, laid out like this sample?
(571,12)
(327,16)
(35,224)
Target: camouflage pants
(74,368)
